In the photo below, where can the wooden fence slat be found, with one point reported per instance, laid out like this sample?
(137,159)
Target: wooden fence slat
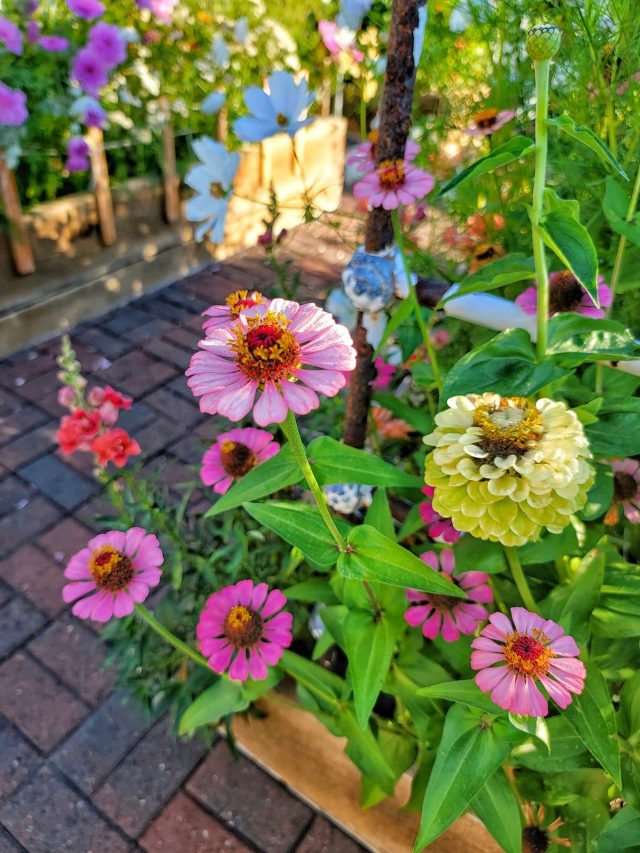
(102,187)
(169,173)
(18,236)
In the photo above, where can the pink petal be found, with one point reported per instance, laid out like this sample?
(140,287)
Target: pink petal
(431,559)
(271,652)
(481,660)
(223,486)
(431,627)
(489,679)
(219,661)
(558,693)
(78,566)
(299,399)
(244,592)
(239,669)
(257,666)
(133,539)
(450,632)
(259,595)
(275,601)
(327,382)
(84,608)
(138,591)
(75,590)
(122,605)
(501,624)
(282,621)
(103,611)
(271,407)
(503,694)
(565,645)
(415,616)
(238,402)
(447,560)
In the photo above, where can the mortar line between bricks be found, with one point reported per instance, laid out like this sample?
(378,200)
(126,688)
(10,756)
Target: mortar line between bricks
(40,532)
(13,838)
(22,646)
(303,833)
(232,830)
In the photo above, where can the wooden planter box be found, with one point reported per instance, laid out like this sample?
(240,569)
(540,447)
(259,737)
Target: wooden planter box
(297,749)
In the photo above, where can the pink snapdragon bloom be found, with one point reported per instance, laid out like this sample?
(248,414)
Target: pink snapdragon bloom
(13,106)
(567,295)
(87,9)
(77,155)
(394,183)
(488,121)
(339,40)
(285,350)
(363,156)
(10,36)
(528,651)
(449,615)
(88,71)
(113,573)
(439,527)
(54,44)
(235,304)
(384,374)
(107,43)
(234,454)
(241,630)
(626,492)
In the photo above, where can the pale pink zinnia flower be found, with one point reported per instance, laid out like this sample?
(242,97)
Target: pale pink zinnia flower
(530,650)
(363,156)
(287,351)
(235,303)
(488,121)
(438,527)
(113,573)
(446,614)
(339,40)
(234,454)
(241,630)
(394,183)
(13,106)
(567,295)
(626,492)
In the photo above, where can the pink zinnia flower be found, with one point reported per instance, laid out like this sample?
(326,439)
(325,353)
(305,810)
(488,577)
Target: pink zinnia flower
(384,374)
(446,614)
(439,527)
(10,36)
(87,9)
(115,571)
(488,121)
(13,106)
(567,295)
(363,156)
(88,71)
(234,454)
(394,183)
(235,304)
(626,492)
(241,630)
(54,44)
(339,40)
(533,651)
(107,42)
(286,350)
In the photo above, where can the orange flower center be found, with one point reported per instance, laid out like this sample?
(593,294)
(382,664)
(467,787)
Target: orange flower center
(239,300)
(486,118)
(565,293)
(511,428)
(267,350)
(237,459)
(110,569)
(243,626)
(391,174)
(527,655)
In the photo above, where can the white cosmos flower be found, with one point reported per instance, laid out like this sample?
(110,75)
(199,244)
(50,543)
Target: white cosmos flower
(213,103)
(212,180)
(282,110)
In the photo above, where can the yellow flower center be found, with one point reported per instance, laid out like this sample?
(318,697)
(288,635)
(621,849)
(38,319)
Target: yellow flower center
(485,118)
(266,351)
(528,656)
(110,569)
(237,459)
(391,174)
(510,428)
(239,300)
(243,626)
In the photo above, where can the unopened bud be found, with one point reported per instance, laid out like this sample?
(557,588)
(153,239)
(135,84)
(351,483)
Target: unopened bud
(543,41)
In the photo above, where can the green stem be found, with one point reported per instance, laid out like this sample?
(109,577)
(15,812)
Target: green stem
(170,638)
(519,579)
(292,433)
(424,331)
(542,106)
(622,244)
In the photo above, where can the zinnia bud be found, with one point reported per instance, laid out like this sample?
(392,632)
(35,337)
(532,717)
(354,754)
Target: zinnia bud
(543,41)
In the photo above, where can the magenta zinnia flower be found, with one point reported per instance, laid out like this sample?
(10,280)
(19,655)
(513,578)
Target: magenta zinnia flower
(626,492)
(567,295)
(235,304)
(363,156)
(534,650)
(115,571)
(488,121)
(88,71)
(438,527)
(87,9)
(13,106)
(446,614)
(234,454)
(286,350)
(394,183)
(10,36)
(241,630)
(107,42)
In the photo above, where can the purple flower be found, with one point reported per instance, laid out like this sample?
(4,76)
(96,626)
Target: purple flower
(13,106)
(567,295)
(107,42)
(10,36)
(88,71)
(54,44)
(77,155)
(33,32)
(87,9)
(89,111)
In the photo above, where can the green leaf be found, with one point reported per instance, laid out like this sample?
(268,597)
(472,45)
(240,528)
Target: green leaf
(299,525)
(567,750)
(402,313)
(276,473)
(515,267)
(574,339)
(319,681)
(618,610)
(615,206)
(479,555)
(221,699)
(313,590)
(570,242)
(400,752)
(412,523)
(465,692)
(578,599)
(506,365)
(376,558)
(511,151)
(548,548)
(621,833)
(369,646)
(469,754)
(600,495)
(589,139)
(334,462)
(419,419)
(535,726)
(379,515)
(497,807)
(364,750)
(593,719)
(616,433)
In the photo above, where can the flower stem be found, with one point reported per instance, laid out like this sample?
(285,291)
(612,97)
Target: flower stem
(622,244)
(519,579)
(170,638)
(541,68)
(292,433)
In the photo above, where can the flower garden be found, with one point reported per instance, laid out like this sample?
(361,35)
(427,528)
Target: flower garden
(415,520)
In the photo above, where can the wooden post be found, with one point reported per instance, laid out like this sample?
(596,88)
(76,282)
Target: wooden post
(18,236)
(169,173)
(222,126)
(101,186)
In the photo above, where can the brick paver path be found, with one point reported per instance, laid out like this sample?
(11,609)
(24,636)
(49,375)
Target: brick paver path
(80,769)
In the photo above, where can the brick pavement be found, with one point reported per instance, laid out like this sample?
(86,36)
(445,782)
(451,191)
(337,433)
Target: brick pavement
(81,769)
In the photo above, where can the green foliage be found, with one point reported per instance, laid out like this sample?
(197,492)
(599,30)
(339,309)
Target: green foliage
(519,146)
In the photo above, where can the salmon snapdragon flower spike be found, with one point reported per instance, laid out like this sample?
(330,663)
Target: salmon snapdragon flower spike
(528,651)
(219,316)
(284,351)
(234,454)
(393,183)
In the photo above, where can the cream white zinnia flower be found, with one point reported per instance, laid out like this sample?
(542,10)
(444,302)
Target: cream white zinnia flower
(213,182)
(505,469)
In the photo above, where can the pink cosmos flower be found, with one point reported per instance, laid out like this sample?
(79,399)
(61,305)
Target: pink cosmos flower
(445,614)
(77,155)
(626,492)
(528,651)
(286,350)
(54,44)
(439,527)
(488,121)
(235,303)
(394,183)
(87,9)
(88,71)
(363,156)
(241,630)
(113,573)
(234,454)
(384,374)
(566,294)
(107,42)
(339,40)
(13,106)
(10,36)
